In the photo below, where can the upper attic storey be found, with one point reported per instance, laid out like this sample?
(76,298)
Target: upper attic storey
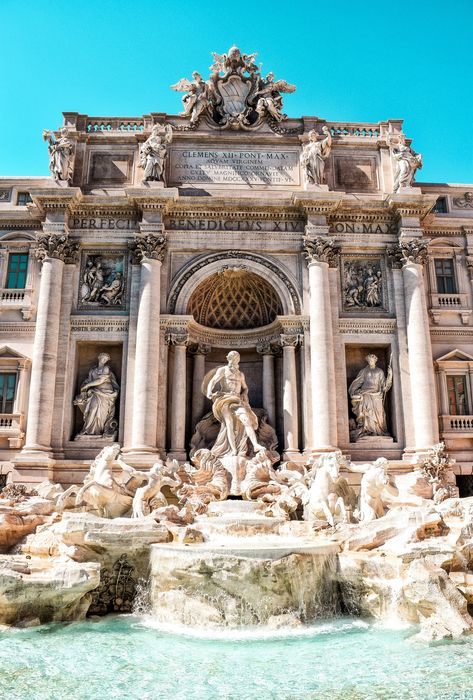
(233,135)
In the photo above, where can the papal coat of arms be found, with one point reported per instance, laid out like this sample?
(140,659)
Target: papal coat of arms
(236,96)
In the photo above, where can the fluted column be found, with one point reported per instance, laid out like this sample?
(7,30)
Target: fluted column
(290,398)
(149,251)
(178,397)
(411,255)
(321,253)
(198,352)
(54,250)
(442,382)
(269,399)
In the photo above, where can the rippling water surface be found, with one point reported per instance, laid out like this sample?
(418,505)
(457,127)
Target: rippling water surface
(127,657)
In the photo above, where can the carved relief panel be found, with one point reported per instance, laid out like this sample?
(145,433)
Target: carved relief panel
(103,280)
(363,284)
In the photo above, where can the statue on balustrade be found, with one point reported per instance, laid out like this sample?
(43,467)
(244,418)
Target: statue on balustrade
(407,162)
(227,388)
(368,392)
(97,398)
(153,153)
(313,156)
(60,151)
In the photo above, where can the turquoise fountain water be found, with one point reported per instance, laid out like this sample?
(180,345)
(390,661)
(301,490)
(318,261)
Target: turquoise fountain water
(127,657)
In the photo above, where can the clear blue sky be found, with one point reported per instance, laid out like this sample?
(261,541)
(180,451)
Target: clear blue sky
(350,61)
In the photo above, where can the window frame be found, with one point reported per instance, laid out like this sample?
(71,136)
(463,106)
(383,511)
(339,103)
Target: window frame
(441,261)
(18,271)
(27,198)
(3,397)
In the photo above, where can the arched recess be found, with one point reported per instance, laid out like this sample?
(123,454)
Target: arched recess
(204,266)
(20,236)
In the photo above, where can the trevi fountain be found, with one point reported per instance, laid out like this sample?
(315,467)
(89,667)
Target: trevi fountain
(236,462)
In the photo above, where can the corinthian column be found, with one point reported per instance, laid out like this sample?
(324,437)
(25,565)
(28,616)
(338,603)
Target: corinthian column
(199,352)
(149,251)
(290,396)
(54,250)
(269,400)
(411,255)
(321,253)
(178,399)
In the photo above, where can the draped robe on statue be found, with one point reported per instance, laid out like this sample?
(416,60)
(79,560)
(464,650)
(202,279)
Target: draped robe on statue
(367,394)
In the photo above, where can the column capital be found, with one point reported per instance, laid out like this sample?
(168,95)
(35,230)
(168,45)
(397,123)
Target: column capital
(290,341)
(321,249)
(268,347)
(404,252)
(150,246)
(58,246)
(199,349)
(179,338)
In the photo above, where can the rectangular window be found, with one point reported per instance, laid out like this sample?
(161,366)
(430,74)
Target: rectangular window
(7,392)
(445,275)
(22,199)
(457,397)
(16,272)
(441,206)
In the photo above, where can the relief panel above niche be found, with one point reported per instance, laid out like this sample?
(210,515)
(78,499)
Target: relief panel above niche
(103,280)
(110,169)
(363,284)
(355,173)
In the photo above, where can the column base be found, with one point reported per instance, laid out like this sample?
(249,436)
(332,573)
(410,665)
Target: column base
(180,455)
(293,456)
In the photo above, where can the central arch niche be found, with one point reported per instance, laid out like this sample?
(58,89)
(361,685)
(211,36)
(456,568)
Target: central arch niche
(234,298)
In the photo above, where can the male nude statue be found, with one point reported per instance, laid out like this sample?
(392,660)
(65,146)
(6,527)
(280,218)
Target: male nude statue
(228,391)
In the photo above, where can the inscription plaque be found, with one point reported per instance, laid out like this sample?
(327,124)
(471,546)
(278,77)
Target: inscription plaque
(235,166)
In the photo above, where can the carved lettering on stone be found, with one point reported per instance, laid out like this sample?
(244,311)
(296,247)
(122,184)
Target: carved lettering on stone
(102,280)
(363,284)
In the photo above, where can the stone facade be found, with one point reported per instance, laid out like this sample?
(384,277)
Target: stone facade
(303,279)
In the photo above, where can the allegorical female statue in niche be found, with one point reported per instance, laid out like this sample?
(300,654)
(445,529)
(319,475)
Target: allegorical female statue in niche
(367,392)
(98,394)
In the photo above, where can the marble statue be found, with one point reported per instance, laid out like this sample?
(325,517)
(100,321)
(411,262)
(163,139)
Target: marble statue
(210,481)
(97,398)
(60,151)
(198,98)
(367,393)
(324,499)
(236,96)
(376,490)
(228,391)
(437,467)
(153,153)
(101,491)
(268,97)
(407,163)
(314,155)
(149,496)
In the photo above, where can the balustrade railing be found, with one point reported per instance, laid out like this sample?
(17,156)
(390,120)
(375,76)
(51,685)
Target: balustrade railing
(457,424)
(10,422)
(370,131)
(448,301)
(15,297)
(101,124)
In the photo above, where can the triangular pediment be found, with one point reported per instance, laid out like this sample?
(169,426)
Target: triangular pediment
(456,356)
(7,352)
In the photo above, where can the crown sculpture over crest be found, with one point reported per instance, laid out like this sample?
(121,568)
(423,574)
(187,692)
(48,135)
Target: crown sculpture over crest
(236,96)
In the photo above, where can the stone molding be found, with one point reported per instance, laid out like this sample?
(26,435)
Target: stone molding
(151,247)
(57,246)
(321,249)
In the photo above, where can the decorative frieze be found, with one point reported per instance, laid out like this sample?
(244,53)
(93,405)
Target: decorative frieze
(57,246)
(148,246)
(464,202)
(103,280)
(320,249)
(363,284)
(5,194)
(370,326)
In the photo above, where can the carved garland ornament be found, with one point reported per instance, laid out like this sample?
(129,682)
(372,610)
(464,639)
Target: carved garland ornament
(60,247)
(149,246)
(320,249)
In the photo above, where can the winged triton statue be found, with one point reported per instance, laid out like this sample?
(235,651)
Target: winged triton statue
(235,96)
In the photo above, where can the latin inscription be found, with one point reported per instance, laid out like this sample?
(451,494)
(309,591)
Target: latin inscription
(237,167)
(362,227)
(96,223)
(184,224)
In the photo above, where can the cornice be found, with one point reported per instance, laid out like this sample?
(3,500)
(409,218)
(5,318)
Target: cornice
(411,204)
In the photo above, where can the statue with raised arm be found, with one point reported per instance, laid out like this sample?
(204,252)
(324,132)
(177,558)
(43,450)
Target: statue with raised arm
(268,96)
(227,388)
(314,154)
(367,393)
(153,153)
(96,400)
(407,162)
(60,151)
